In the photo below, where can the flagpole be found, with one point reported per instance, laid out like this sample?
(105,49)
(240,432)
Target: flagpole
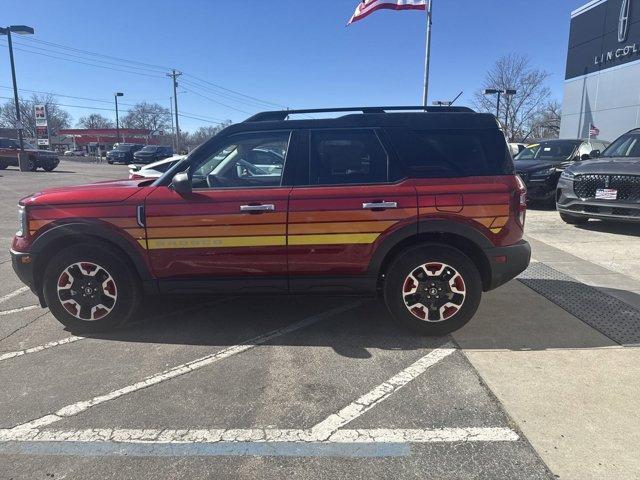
(425,96)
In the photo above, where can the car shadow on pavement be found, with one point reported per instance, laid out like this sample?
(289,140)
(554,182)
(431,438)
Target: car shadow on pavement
(617,228)
(514,317)
(350,326)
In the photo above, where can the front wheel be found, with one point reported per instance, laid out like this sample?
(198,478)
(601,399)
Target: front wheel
(88,288)
(32,166)
(49,167)
(433,289)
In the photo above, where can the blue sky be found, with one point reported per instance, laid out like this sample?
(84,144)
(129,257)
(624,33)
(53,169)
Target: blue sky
(296,53)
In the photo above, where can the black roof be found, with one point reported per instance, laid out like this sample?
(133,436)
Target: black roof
(395,116)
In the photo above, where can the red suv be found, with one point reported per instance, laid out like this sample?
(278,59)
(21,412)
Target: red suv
(421,207)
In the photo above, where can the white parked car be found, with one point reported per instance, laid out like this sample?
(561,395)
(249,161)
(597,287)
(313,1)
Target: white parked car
(153,170)
(77,152)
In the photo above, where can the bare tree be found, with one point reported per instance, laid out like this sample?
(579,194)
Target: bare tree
(57,117)
(203,134)
(94,120)
(514,71)
(150,116)
(547,123)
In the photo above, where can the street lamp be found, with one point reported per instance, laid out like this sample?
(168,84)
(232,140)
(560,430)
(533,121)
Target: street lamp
(116,95)
(508,92)
(20,30)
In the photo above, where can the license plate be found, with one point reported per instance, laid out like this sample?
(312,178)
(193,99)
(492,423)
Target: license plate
(606,194)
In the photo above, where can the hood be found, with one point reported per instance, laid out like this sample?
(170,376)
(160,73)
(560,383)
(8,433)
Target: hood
(102,192)
(38,151)
(612,166)
(526,166)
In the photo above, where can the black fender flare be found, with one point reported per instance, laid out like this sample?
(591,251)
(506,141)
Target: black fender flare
(94,229)
(425,227)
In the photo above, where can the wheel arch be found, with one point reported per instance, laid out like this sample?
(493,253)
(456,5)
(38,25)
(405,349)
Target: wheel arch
(464,238)
(65,234)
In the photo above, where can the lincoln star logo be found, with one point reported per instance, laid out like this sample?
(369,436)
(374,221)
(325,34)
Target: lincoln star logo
(623,23)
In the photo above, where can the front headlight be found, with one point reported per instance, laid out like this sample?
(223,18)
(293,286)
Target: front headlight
(22,221)
(566,175)
(545,172)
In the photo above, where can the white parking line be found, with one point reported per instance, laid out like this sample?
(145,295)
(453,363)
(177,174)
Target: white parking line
(18,310)
(258,435)
(15,293)
(78,407)
(39,348)
(366,402)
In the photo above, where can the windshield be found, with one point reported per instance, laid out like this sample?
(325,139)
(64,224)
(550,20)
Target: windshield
(543,150)
(123,148)
(150,149)
(627,146)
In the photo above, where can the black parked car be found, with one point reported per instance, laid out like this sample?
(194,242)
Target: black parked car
(540,165)
(123,153)
(607,187)
(152,153)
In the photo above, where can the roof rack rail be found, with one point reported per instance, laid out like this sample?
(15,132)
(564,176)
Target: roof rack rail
(280,115)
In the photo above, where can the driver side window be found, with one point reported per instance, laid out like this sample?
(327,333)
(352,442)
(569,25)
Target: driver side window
(247,160)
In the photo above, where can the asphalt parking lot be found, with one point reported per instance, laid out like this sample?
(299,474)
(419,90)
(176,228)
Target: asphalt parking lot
(534,387)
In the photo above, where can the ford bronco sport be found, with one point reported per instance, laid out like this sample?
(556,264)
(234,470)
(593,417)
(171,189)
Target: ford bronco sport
(419,205)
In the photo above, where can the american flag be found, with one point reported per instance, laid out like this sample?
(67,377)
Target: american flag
(593,130)
(367,7)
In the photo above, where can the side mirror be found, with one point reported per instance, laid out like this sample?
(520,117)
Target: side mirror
(181,183)
(585,156)
(595,153)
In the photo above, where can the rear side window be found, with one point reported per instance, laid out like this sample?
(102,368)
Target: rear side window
(452,153)
(341,157)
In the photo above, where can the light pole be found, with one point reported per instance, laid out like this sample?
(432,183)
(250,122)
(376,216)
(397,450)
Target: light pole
(116,95)
(496,91)
(20,30)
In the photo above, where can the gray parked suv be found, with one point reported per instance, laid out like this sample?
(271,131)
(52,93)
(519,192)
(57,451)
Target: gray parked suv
(606,187)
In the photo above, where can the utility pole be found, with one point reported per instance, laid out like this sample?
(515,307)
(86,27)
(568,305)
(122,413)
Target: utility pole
(427,58)
(116,95)
(174,75)
(172,127)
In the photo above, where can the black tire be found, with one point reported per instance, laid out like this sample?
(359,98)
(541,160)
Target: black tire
(410,262)
(32,166)
(49,167)
(3,165)
(573,220)
(126,287)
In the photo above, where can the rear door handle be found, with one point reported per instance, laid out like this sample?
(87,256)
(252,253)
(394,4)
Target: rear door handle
(379,205)
(258,208)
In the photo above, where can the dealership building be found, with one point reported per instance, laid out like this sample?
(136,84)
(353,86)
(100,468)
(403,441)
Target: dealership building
(602,82)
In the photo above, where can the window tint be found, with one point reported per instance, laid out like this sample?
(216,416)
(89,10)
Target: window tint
(452,153)
(238,162)
(341,157)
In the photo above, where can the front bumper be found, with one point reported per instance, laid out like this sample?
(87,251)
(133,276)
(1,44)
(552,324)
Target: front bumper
(541,189)
(569,203)
(24,266)
(506,263)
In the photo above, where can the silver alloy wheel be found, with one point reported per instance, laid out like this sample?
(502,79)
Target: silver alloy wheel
(434,292)
(87,291)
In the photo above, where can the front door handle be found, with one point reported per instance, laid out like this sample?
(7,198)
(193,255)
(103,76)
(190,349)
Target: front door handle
(379,205)
(258,208)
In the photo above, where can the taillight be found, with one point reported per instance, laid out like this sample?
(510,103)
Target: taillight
(521,201)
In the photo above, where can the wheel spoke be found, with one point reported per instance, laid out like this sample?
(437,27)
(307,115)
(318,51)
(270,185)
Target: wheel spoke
(434,315)
(412,299)
(457,299)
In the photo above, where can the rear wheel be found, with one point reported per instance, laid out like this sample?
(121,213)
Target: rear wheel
(88,288)
(433,289)
(573,220)
(3,165)
(48,167)
(32,166)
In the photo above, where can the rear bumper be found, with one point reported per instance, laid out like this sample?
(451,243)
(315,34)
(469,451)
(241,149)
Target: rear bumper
(507,263)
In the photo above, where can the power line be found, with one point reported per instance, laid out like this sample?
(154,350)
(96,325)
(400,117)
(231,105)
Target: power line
(65,47)
(235,92)
(217,102)
(208,90)
(82,63)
